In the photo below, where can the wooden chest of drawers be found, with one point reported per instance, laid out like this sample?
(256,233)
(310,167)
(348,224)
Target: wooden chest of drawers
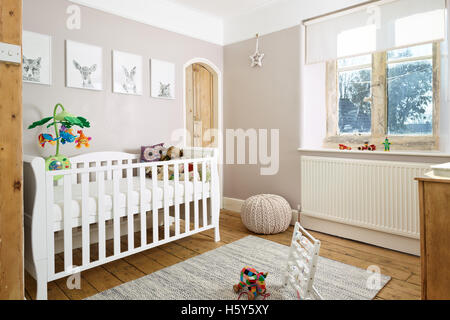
(435,238)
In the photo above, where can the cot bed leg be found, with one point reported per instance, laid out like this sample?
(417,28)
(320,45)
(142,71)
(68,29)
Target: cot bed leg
(217,234)
(41,280)
(217,224)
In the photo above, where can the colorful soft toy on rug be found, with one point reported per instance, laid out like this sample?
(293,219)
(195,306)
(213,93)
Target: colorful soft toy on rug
(254,281)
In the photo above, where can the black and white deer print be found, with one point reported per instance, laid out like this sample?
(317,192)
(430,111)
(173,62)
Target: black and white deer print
(32,69)
(86,74)
(164,90)
(129,84)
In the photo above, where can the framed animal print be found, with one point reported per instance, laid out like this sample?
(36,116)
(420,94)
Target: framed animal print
(37,58)
(127,73)
(162,79)
(84,66)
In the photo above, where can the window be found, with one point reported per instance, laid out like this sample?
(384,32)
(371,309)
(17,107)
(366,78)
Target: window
(393,94)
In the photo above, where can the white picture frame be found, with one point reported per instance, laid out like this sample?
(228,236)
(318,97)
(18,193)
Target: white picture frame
(127,73)
(37,58)
(84,66)
(162,79)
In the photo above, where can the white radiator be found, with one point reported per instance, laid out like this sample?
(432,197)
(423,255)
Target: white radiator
(376,195)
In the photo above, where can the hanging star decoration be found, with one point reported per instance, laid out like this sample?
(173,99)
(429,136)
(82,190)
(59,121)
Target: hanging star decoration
(258,56)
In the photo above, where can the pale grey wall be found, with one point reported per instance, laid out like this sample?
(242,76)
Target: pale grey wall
(265,98)
(119,122)
(269,98)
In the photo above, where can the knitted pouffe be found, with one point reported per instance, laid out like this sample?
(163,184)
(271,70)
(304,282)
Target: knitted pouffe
(266,214)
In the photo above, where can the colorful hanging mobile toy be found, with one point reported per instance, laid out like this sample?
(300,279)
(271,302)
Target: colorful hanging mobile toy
(64,135)
(254,281)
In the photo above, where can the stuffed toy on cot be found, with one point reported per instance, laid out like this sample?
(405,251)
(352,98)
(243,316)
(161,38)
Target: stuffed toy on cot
(159,153)
(254,281)
(174,153)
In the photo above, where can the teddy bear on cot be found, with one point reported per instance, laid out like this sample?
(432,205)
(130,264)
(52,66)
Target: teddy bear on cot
(173,153)
(254,281)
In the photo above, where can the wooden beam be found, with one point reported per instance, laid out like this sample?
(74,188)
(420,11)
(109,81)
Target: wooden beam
(11,207)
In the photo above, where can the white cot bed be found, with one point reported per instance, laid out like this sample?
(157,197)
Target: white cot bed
(107,204)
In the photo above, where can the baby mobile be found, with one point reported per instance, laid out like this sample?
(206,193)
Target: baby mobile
(63,123)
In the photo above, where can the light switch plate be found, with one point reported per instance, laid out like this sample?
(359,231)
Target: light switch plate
(10,53)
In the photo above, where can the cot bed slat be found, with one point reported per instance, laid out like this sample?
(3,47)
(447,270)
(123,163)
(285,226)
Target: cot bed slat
(50,231)
(186,198)
(143,212)
(129,209)
(155,203)
(205,208)
(116,213)
(109,173)
(101,215)
(85,233)
(67,222)
(166,202)
(196,214)
(176,179)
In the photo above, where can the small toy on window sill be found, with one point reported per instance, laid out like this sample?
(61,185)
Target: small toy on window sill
(367,147)
(254,281)
(387,145)
(344,147)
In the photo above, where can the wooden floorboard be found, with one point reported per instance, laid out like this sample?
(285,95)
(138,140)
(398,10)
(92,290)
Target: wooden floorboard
(404,269)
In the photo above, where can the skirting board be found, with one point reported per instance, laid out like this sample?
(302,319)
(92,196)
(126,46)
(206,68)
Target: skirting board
(235,205)
(376,238)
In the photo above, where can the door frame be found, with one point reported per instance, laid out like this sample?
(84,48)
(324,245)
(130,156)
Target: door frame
(211,67)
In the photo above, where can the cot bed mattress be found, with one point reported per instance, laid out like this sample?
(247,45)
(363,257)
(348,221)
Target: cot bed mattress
(148,196)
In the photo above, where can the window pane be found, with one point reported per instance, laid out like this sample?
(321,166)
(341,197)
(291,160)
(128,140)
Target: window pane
(410,98)
(413,52)
(357,61)
(354,105)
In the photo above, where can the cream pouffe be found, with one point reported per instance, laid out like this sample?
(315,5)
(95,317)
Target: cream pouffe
(266,214)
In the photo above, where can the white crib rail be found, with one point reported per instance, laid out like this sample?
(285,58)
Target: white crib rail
(165,212)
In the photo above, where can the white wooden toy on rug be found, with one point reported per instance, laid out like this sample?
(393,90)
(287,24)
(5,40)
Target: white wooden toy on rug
(302,263)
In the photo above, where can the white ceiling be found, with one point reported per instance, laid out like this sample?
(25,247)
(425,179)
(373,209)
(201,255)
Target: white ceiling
(224,8)
(219,21)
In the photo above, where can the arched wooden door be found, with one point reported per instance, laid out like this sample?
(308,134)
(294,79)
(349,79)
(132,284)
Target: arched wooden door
(201,107)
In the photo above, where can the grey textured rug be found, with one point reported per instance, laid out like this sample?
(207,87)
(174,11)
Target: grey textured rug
(211,276)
